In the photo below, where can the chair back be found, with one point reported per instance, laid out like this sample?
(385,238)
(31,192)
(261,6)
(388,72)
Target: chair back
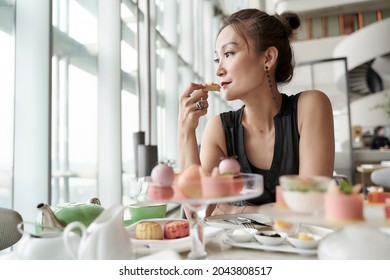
(9,234)
(381,177)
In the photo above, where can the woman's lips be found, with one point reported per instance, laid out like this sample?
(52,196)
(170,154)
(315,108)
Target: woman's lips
(224,84)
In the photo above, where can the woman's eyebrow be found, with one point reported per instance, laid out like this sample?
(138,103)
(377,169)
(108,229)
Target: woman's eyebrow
(227,44)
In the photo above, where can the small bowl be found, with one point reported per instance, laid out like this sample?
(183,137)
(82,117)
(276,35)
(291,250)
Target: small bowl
(294,239)
(304,195)
(241,234)
(266,238)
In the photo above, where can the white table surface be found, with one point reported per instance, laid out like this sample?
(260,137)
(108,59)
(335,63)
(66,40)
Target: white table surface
(218,250)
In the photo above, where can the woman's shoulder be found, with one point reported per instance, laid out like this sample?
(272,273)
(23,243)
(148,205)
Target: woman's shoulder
(313,99)
(313,96)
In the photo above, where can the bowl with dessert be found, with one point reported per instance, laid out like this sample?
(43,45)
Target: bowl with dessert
(271,238)
(304,194)
(304,240)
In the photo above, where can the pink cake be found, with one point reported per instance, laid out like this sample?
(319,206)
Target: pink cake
(162,178)
(176,229)
(160,192)
(218,186)
(343,207)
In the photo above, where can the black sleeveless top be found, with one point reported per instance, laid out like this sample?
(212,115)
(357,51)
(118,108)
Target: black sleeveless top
(286,150)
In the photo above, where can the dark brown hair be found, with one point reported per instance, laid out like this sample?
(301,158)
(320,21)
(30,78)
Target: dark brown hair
(264,31)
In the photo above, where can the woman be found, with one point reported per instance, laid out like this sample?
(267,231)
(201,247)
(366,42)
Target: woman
(380,141)
(272,134)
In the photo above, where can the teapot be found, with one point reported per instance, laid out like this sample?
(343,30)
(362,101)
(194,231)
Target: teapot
(47,245)
(355,242)
(62,214)
(104,239)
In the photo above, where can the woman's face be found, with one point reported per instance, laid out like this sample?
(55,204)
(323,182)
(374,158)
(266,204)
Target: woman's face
(239,69)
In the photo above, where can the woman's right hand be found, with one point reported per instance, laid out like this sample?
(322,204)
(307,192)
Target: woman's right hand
(189,111)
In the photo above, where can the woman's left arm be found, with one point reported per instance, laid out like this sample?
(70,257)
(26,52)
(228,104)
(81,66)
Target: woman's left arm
(316,128)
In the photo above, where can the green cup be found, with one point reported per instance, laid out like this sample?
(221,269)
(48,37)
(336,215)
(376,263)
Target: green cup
(147,210)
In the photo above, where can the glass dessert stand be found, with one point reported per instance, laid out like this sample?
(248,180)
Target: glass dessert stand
(251,186)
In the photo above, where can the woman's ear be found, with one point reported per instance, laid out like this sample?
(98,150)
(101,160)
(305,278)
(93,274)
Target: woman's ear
(271,56)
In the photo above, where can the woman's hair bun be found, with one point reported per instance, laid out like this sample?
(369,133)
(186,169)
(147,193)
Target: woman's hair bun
(292,18)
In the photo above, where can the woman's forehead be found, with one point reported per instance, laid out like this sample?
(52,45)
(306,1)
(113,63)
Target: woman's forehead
(228,36)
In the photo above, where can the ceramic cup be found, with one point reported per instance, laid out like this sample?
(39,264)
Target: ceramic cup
(147,210)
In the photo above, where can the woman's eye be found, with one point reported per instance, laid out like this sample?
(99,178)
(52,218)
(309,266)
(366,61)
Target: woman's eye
(227,54)
(216,60)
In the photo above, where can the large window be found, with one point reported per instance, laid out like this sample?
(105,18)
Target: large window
(131,17)
(74,100)
(7,68)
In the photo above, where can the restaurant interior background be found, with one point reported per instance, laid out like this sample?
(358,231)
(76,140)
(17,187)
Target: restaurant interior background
(80,80)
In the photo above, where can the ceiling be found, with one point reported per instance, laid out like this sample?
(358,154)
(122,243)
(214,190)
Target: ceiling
(304,7)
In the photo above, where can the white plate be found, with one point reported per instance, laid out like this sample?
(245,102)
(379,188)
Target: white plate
(178,245)
(219,220)
(286,246)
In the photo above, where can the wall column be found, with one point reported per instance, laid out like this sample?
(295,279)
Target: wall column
(109,114)
(32,142)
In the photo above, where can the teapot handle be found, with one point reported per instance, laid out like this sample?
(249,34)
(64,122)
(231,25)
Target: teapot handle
(67,233)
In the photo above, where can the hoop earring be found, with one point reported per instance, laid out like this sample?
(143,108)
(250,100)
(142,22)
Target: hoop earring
(269,82)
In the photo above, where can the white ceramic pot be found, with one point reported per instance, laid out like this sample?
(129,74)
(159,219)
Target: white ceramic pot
(355,242)
(45,246)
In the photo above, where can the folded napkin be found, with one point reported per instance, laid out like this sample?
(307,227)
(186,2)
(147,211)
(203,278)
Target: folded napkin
(162,255)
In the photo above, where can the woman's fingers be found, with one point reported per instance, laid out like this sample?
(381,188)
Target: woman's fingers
(191,88)
(193,105)
(194,97)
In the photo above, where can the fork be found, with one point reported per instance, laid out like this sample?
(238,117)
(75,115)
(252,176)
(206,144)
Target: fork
(237,222)
(248,225)
(251,221)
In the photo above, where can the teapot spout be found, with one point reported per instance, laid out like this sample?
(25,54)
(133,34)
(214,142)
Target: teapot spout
(49,219)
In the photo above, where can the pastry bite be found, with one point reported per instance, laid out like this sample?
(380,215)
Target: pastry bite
(176,229)
(213,87)
(283,226)
(148,230)
(305,236)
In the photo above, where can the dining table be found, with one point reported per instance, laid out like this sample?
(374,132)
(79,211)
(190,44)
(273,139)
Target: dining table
(218,248)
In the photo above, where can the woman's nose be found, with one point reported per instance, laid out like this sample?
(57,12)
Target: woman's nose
(220,70)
